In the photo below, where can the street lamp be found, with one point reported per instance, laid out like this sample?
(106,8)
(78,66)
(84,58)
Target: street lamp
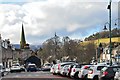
(110,52)
(116,21)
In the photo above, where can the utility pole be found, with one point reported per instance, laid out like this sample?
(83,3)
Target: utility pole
(110,52)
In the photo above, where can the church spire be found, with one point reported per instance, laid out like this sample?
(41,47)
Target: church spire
(22,42)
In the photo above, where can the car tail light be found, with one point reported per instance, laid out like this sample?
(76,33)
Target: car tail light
(68,69)
(73,70)
(105,73)
(82,76)
(52,68)
(85,67)
(58,66)
(91,72)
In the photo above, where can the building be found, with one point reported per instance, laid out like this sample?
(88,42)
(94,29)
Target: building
(23,44)
(7,53)
(105,56)
(24,52)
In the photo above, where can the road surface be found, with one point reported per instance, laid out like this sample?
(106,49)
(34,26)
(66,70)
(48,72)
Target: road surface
(33,76)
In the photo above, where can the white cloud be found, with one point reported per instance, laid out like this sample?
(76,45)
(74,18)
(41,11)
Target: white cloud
(43,18)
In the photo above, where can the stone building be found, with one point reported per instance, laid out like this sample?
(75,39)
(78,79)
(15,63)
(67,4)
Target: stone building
(7,53)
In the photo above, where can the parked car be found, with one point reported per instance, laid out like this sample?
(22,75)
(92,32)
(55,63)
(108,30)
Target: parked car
(108,73)
(58,67)
(75,70)
(52,70)
(83,72)
(17,68)
(47,67)
(117,75)
(31,68)
(64,70)
(70,69)
(94,72)
(2,70)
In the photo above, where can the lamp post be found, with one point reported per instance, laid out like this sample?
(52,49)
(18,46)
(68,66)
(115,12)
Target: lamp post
(110,52)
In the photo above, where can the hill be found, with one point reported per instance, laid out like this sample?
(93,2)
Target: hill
(32,47)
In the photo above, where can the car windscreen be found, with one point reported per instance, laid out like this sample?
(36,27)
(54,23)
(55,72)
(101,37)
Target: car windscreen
(66,64)
(33,66)
(100,67)
(47,64)
(78,66)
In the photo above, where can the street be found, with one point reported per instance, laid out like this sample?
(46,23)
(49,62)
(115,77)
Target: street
(33,76)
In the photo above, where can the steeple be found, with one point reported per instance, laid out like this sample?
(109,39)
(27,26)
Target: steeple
(22,42)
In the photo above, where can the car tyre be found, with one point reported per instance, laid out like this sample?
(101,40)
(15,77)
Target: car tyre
(96,78)
(54,74)
(2,74)
(85,77)
(76,75)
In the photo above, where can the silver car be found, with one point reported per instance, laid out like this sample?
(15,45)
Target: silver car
(117,75)
(2,70)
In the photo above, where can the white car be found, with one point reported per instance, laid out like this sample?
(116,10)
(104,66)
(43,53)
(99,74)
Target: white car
(58,67)
(75,70)
(94,72)
(53,68)
(17,68)
(47,67)
(2,70)
(117,75)
(64,70)
(83,72)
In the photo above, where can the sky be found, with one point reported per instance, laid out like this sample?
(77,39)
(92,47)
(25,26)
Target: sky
(42,18)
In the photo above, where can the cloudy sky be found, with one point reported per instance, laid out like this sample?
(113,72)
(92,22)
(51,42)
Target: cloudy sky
(42,18)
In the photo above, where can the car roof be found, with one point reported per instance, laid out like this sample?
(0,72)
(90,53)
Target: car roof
(65,63)
(31,64)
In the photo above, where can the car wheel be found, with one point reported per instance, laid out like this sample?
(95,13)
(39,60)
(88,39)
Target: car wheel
(76,75)
(112,78)
(95,78)
(85,77)
(54,74)
(2,74)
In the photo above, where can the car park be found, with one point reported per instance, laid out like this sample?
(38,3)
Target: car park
(108,73)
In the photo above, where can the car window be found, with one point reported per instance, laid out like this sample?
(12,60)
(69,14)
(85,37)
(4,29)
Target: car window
(47,64)
(32,66)
(100,67)
(103,69)
(110,70)
(116,69)
(78,66)
(66,64)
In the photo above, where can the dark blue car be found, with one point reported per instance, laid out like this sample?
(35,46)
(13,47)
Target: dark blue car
(31,68)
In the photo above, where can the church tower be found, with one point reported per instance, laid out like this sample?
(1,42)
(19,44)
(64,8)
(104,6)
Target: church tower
(22,42)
